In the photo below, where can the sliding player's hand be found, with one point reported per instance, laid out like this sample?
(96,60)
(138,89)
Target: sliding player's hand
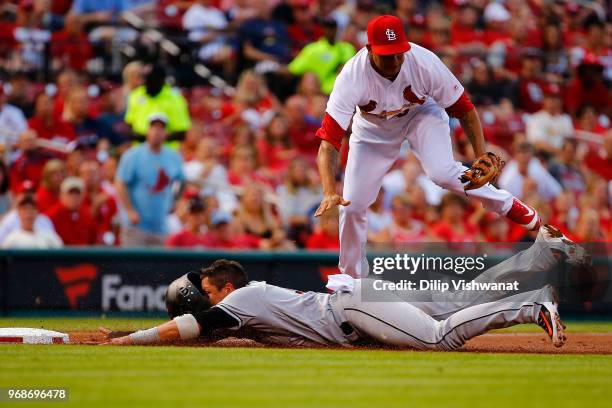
(110,339)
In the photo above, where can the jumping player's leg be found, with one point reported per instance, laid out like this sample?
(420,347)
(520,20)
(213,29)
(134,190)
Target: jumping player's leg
(528,267)
(429,137)
(402,324)
(366,166)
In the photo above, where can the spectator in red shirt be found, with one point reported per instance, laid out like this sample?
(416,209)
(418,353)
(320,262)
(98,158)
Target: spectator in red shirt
(565,213)
(326,232)
(304,29)
(588,228)
(404,227)
(30,162)
(71,220)
(98,203)
(274,148)
(47,125)
(495,228)
(588,87)
(496,18)
(453,225)
(47,194)
(251,101)
(241,136)
(302,128)
(70,47)
(243,167)
(223,234)
(66,81)
(587,120)
(531,84)
(191,235)
(464,34)
(600,160)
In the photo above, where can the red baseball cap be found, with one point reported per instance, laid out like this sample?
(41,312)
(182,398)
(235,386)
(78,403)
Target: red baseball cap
(386,35)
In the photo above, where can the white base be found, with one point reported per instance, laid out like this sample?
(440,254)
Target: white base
(24,335)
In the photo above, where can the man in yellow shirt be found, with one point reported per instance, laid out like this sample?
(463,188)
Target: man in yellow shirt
(155,96)
(324,57)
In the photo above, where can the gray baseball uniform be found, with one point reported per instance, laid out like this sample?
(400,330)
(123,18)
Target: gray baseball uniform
(285,316)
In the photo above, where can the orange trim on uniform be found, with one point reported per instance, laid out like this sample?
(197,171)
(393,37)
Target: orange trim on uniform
(331,131)
(461,107)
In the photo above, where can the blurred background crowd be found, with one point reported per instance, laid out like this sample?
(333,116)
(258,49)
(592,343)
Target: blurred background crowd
(192,123)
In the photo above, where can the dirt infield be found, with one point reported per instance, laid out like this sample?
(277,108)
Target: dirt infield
(533,343)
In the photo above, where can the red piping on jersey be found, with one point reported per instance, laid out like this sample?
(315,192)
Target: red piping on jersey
(461,107)
(331,131)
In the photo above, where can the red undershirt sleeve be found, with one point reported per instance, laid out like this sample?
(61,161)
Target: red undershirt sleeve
(462,106)
(331,131)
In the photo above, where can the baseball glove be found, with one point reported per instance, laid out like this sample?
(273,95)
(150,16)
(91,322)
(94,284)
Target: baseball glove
(485,169)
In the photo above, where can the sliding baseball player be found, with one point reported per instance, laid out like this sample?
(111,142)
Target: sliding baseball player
(392,91)
(220,298)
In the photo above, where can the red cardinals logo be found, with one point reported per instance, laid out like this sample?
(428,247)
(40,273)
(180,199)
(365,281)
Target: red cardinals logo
(411,97)
(162,181)
(76,281)
(369,107)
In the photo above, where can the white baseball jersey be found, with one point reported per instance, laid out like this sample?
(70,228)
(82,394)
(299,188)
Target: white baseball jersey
(381,103)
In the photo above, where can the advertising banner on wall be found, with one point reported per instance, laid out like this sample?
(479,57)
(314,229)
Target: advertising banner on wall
(432,274)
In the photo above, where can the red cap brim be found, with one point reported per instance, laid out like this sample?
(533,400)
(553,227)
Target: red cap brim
(390,49)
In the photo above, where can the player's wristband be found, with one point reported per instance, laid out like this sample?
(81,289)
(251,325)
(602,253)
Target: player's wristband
(145,336)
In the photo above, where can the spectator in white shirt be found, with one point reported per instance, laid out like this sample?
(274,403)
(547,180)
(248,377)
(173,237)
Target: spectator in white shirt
(397,181)
(526,167)
(548,128)
(206,24)
(27,235)
(12,122)
(210,176)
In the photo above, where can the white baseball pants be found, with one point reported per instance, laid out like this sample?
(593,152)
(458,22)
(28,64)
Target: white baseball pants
(372,155)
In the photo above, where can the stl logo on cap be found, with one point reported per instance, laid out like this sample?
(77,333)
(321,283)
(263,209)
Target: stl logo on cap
(386,36)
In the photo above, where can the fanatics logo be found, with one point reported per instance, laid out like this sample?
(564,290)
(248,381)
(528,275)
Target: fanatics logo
(76,281)
(390,34)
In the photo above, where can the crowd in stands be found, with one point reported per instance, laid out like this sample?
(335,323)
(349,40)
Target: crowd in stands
(100,147)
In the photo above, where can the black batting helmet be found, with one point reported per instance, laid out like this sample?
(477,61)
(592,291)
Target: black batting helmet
(185,295)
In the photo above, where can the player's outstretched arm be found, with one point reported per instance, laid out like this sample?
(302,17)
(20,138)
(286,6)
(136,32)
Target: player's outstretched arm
(470,122)
(327,162)
(183,327)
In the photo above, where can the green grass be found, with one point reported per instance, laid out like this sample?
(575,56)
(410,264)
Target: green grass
(218,377)
(283,378)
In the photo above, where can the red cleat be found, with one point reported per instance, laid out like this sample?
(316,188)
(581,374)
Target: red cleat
(524,215)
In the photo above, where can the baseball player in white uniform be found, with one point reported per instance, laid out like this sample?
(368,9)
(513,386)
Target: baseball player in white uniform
(390,91)
(219,298)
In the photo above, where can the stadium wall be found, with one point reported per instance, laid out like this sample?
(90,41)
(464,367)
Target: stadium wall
(117,280)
